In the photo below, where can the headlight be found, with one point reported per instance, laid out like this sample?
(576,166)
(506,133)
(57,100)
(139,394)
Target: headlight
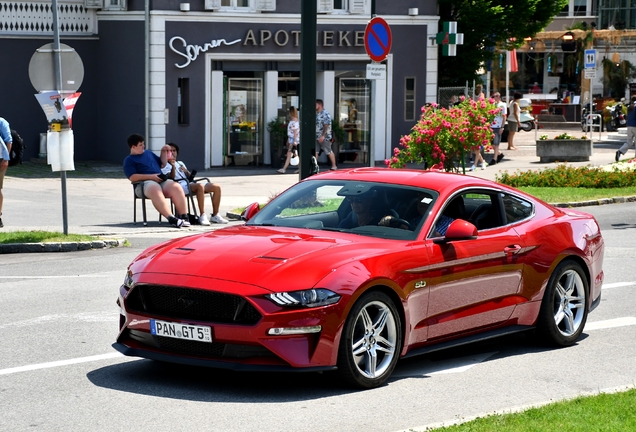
(128,280)
(305,298)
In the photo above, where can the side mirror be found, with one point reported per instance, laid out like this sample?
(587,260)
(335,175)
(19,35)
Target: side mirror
(250,211)
(459,229)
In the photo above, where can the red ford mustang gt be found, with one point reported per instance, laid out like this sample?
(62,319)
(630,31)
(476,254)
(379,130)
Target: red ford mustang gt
(354,269)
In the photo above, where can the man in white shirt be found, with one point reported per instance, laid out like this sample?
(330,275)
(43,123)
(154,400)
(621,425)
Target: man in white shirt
(498,128)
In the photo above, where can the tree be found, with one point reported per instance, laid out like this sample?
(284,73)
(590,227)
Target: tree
(616,76)
(490,23)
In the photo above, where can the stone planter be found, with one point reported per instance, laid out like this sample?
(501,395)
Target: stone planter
(564,150)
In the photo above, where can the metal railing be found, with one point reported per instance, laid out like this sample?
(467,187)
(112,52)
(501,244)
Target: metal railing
(25,17)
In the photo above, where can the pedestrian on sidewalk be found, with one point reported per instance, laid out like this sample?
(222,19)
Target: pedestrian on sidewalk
(323,132)
(293,138)
(178,171)
(631,130)
(143,167)
(5,150)
(497,128)
(513,119)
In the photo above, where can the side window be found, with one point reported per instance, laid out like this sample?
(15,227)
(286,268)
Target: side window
(481,210)
(516,209)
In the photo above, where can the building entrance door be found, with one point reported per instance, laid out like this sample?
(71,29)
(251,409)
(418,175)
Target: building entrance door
(245,120)
(353,119)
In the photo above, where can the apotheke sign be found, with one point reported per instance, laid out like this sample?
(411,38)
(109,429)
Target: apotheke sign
(265,38)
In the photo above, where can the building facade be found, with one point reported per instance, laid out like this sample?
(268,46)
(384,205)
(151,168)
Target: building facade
(211,74)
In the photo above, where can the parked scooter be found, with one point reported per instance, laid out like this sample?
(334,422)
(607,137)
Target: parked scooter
(597,122)
(617,117)
(526,122)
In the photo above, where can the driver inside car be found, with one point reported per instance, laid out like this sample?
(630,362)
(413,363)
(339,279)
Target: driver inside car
(364,211)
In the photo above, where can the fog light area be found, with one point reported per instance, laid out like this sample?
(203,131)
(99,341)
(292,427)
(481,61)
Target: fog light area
(280,331)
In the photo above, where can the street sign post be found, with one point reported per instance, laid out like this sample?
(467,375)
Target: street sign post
(377,39)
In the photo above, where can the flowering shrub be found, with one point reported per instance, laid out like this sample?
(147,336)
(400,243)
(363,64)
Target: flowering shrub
(443,134)
(562,136)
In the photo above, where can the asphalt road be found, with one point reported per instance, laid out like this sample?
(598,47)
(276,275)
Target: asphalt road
(59,372)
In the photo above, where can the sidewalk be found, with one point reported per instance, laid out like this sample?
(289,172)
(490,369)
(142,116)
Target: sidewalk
(103,204)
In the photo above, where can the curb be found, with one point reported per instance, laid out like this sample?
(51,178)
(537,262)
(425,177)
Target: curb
(602,201)
(60,246)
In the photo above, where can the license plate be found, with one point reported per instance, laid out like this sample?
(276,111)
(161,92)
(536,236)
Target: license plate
(181,331)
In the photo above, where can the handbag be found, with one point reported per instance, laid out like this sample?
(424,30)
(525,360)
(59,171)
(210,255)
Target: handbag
(294,160)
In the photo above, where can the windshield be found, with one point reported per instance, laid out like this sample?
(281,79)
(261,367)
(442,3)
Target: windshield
(364,208)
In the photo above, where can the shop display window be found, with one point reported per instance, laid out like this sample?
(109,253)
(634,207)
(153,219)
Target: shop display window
(353,116)
(245,126)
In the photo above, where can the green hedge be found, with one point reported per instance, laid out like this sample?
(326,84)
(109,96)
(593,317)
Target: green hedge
(567,176)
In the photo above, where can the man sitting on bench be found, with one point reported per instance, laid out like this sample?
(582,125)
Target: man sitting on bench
(143,167)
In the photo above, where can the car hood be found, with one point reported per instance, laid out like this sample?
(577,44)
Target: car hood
(269,257)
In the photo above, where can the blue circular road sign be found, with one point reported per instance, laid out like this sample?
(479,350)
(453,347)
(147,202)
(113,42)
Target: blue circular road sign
(377,39)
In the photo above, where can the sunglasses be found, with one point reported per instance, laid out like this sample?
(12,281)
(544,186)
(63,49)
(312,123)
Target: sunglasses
(356,199)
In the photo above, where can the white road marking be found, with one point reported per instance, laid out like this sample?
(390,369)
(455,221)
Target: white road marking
(58,277)
(427,367)
(102,316)
(59,363)
(618,285)
(611,323)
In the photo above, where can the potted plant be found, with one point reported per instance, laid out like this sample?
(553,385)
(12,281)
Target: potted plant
(564,148)
(278,137)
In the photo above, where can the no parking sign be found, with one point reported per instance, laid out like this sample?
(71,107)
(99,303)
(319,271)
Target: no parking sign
(377,39)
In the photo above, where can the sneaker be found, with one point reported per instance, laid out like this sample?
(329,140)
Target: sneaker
(1,224)
(472,168)
(618,155)
(500,157)
(175,222)
(185,219)
(483,165)
(204,219)
(218,219)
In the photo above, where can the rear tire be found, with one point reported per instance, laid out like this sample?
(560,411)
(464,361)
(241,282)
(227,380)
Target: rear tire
(564,307)
(371,341)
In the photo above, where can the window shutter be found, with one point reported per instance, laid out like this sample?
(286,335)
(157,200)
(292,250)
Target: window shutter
(357,6)
(266,5)
(93,4)
(325,6)
(212,4)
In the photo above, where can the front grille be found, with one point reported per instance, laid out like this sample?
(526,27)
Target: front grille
(199,349)
(203,349)
(191,347)
(193,304)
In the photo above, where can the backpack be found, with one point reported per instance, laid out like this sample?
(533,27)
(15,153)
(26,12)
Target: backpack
(17,149)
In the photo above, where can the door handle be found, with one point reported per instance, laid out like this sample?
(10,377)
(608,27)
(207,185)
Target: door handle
(512,249)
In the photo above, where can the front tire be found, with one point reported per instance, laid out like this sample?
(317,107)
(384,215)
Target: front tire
(564,307)
(371,341)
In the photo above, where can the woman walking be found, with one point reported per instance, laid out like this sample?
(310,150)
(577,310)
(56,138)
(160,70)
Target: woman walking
(293,135)
(513,119)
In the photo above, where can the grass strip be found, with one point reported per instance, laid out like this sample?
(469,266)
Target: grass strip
(42,237)
(603,412)
(575,194)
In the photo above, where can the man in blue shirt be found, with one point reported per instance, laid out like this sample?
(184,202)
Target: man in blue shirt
(631,130)
(144,166)
(5,149)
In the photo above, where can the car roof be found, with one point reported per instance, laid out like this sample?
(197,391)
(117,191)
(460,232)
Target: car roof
(442,182)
